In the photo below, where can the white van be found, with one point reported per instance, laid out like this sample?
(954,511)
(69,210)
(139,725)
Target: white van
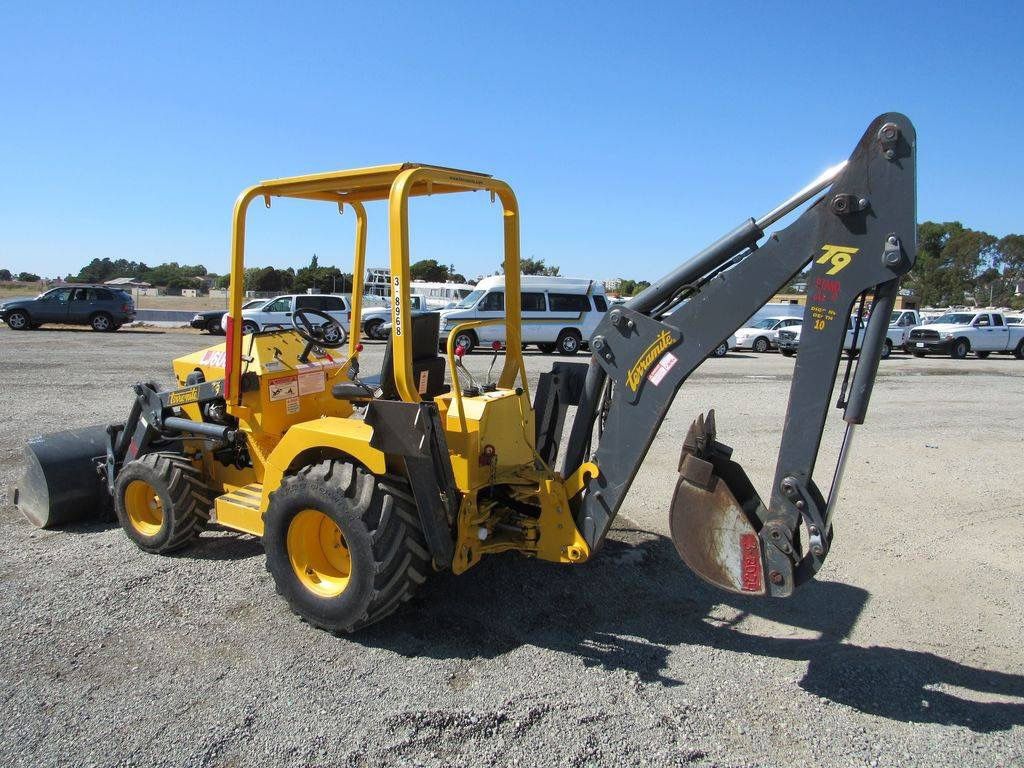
(558,313)
(440,295)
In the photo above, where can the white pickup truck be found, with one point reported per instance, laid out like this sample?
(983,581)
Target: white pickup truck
(957,333)
(900,323)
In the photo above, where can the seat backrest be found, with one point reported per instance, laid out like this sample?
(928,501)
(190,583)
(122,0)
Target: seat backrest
(428,367)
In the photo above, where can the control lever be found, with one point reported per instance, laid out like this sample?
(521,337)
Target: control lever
(489,387)
(353,375)
(472,390)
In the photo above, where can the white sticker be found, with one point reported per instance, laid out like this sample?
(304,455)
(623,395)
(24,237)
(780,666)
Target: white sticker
(273,365)
(664,366)
(311,381)
(424,379)
(292,406)
(285,388)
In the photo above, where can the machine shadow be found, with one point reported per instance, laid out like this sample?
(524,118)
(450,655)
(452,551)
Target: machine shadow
(635,602)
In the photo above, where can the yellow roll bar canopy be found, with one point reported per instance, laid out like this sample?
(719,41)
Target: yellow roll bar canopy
(396,184)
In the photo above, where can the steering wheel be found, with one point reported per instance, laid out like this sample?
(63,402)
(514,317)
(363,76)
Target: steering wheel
(330,334)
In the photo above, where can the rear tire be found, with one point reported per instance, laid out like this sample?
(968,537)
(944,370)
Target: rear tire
(960,349)
(214,329)
(1019,351)
(886,349)
(345,550)
(102,323)
(18,320)
(760,344)
(568,342)
(161,501)
(249,327)
(721,350)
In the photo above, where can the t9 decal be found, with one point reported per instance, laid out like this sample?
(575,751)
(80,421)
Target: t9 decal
(839,256)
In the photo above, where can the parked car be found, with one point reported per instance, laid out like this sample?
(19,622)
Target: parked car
(558,313)
(277,312)
(440,295)
(900,323)
(376,321)
(762,335)
(101,307)
(789,340)
(213,320)
(1014,320)
(957,333)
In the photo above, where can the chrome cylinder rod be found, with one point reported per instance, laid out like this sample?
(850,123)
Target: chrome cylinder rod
(837,479)
(801,197)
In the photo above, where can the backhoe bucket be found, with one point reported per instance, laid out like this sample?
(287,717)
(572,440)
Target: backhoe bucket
(62,481)
(713,517)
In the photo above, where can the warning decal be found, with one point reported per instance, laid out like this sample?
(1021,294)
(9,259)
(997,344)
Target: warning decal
(284,388)
(311,381)
(664,366)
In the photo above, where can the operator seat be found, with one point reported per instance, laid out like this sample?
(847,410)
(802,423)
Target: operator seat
(428,367)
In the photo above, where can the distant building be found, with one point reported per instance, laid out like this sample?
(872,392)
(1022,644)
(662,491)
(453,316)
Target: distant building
(613,284)
(128,282)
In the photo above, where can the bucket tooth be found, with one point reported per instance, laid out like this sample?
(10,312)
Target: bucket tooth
(714,517)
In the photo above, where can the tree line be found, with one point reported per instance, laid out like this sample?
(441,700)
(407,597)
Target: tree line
(955,265)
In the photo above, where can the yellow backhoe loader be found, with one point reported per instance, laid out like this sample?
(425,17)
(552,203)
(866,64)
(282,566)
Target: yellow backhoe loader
(362,486)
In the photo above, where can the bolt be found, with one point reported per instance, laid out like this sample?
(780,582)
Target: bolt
(776,578)
(892,240)
(800,504)
(599,343)
(775,535)
(630,324)
(890,154)
(813,531)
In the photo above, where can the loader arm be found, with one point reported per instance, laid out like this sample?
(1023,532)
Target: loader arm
(859,237)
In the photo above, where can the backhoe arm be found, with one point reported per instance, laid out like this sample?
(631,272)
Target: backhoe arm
(859,237)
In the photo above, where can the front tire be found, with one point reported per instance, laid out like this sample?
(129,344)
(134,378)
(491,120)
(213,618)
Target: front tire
(568,342)
(467,340)
(18,320)
(721,350)
(372,329)
(345,550)
(960,349)
(249,327)
(161,501)
(1019,351)
(886,349)
(214,329)
(760,344)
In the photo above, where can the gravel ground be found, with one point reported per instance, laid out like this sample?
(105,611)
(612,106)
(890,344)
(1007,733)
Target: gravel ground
(906,650)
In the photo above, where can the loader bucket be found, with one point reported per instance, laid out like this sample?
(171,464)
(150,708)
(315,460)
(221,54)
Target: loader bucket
(713,519)
(61,483)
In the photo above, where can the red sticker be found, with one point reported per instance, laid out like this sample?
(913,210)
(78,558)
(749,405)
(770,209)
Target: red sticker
(750,563)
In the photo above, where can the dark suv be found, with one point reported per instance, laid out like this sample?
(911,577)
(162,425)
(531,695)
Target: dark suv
(98,306)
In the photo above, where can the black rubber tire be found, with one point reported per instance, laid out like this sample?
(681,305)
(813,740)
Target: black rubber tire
(467,340)
(213,328)
(546,348)
(102,322)
(18,320)
(982,355)
(185,498)
(917,353)
(250,327)
(721,350)
(760,344)
(787,352)
(1019,351)
(959,349)
(568,342)
(886,349)
(372,328)
(381,528)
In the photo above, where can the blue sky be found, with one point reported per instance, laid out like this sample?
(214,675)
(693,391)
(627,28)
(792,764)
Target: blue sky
(633,133)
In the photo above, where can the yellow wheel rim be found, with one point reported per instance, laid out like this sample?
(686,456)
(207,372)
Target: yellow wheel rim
(318,553)
(143,506)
